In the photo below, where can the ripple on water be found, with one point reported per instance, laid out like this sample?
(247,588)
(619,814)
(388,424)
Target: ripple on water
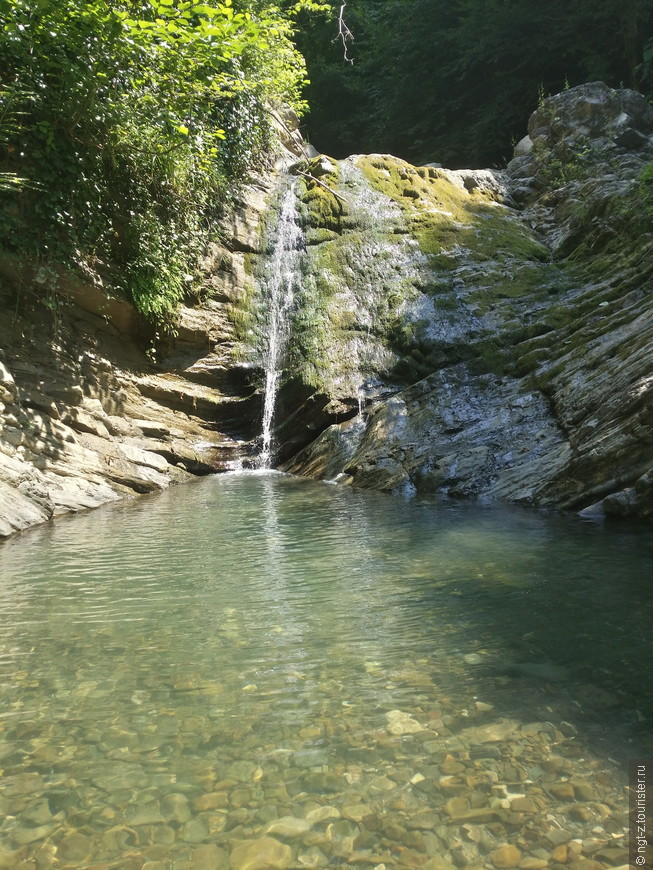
(260,671)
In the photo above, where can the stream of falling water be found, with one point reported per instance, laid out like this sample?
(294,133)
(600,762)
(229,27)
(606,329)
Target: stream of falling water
(280,288)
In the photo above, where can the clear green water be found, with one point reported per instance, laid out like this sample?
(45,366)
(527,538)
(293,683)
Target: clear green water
(178,673)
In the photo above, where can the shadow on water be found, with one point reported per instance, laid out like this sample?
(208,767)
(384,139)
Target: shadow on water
(553,620)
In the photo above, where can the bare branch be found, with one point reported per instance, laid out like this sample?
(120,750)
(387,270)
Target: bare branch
(321,183)
(344,33)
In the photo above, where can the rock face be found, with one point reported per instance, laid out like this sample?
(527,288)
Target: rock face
(523,334)
(86,420)
(87,417)
(472,332)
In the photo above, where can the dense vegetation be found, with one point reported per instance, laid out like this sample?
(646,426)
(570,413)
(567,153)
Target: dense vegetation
(124,124)
(454,81)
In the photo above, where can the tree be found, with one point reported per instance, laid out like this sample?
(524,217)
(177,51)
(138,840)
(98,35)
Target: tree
(131,121)
(455,80)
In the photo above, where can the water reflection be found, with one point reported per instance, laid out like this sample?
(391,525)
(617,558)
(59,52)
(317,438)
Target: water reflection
(194,666)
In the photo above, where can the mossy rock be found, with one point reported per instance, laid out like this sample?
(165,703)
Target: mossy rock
(321,209)
(319,235)
(441,214)
(528,362)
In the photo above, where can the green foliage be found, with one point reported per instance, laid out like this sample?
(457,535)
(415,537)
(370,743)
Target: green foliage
(129,124)
(577,162)
(455,80)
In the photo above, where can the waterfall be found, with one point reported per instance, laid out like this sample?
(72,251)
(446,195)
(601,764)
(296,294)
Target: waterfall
(280,288)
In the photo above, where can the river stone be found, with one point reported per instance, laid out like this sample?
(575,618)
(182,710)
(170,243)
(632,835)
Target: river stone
(586,864)
(242,771)
(148,814)
(450,767)
(22,784)
(583,791)
(211,801)
(357,812)
(556,836)
(208,857)
(7,859)
(324,782)
(326,813)
(74,847)
(426,820)
(288,827)
(195,831)
(560,854)
(38,813)
(119,776)
(311,758)
(564,791)
(494,732)
(481,815)
(24,836)
(506,856)
(530,863)
(438,863)
(175,808)
(456,806)
(266,853)
(402,723)
(313,857)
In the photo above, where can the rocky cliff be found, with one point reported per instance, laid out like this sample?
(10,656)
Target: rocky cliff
(95,409)
(475,333)
(520,317)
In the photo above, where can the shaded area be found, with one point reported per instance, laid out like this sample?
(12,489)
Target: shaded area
(454,81)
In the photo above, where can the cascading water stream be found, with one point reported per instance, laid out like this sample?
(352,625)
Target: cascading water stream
(280,289)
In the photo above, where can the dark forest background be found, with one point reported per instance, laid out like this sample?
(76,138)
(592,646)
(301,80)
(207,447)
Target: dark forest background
(454,81)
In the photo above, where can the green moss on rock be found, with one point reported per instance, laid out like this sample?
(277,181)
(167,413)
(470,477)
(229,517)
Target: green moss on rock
(441,214)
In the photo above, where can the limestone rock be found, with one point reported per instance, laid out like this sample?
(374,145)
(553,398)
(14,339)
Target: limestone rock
(592,110)
(553,403)
(18,512)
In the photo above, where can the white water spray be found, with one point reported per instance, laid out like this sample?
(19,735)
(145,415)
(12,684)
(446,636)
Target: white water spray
(280,287)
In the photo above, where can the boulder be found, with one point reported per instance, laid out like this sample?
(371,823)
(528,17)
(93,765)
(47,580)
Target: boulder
(593,111)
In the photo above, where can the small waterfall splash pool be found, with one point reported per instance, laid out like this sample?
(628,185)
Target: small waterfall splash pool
(255,670)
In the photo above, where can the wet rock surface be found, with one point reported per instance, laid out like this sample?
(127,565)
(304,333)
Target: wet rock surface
(530,329)
(473,333)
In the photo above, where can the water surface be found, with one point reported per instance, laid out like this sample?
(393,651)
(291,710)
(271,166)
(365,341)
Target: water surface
(179,673)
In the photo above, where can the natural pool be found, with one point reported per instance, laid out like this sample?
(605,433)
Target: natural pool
(255,671)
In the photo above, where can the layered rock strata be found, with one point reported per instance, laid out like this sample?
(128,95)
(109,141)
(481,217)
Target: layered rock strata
(524,329)
(474,333)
